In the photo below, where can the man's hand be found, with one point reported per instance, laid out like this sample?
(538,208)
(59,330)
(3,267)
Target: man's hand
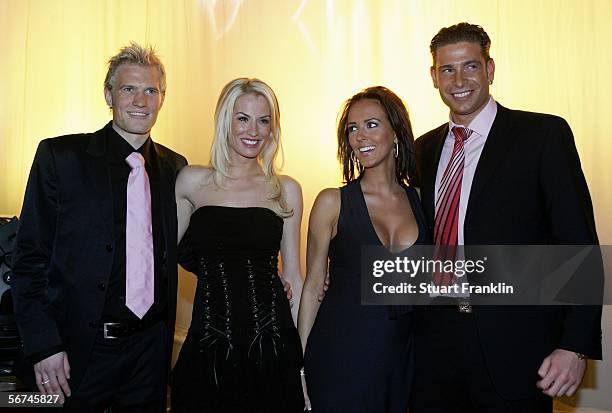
(52,375)
(287,288)
(561,373)
(325,288)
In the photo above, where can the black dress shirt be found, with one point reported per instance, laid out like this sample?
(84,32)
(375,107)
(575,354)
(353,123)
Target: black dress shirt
(114,307)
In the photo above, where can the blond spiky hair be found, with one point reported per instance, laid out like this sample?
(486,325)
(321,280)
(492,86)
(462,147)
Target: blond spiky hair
(137,55)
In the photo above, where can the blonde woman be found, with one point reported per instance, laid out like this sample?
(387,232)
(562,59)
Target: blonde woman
(242,352)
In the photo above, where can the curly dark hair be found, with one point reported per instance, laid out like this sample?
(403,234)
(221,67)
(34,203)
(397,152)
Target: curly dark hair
(405,163)
(461,32)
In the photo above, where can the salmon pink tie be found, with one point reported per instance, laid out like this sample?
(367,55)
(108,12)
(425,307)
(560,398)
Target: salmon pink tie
(446,225)
(139,261)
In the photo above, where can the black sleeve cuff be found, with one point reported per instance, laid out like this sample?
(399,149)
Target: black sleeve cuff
(41,355)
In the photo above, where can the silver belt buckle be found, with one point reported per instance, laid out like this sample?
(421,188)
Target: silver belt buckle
(105,329)
(464,306)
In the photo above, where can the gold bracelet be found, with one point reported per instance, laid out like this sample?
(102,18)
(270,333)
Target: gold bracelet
(581,356)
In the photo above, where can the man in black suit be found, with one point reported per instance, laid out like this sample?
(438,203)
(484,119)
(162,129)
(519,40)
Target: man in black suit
(71,261)
(520,183)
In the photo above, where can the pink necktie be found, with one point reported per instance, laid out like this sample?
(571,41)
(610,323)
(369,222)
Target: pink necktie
(139,270)
(446,225)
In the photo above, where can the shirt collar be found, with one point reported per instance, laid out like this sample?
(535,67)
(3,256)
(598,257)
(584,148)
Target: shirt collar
(483,122)
(119,148)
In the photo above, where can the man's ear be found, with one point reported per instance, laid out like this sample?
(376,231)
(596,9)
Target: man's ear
(490,71)
(434,78)
(108,97)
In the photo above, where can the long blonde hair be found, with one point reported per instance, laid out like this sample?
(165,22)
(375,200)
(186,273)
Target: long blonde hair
(220,150)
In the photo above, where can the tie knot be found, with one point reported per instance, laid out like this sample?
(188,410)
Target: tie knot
(135,160)
(461,133)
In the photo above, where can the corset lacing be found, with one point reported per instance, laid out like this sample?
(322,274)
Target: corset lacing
(217,326)
(263,313)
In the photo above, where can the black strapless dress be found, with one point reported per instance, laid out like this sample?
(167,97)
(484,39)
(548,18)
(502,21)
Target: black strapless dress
(359,358)
(242,352)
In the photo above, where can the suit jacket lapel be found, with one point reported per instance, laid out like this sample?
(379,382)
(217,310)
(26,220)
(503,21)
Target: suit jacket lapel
(498,142)
(165,183)
(430,161)
(97,168)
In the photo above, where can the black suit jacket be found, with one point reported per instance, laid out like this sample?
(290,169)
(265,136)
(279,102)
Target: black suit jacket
(64,247)
(528,189)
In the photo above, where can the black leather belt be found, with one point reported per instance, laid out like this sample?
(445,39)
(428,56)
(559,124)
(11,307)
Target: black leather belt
(120,329)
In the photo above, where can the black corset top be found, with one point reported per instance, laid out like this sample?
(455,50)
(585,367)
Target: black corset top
(234,253)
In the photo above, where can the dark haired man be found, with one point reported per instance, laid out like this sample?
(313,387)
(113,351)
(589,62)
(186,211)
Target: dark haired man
(515,180)
(95,272)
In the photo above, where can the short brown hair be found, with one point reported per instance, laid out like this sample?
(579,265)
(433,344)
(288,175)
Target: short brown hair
(137,55)
(461,32)
(405,164)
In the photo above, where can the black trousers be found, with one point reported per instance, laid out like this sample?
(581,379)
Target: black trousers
(125,374)
(450,371)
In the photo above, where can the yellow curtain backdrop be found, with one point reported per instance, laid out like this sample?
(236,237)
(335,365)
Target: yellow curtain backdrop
(551,56)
